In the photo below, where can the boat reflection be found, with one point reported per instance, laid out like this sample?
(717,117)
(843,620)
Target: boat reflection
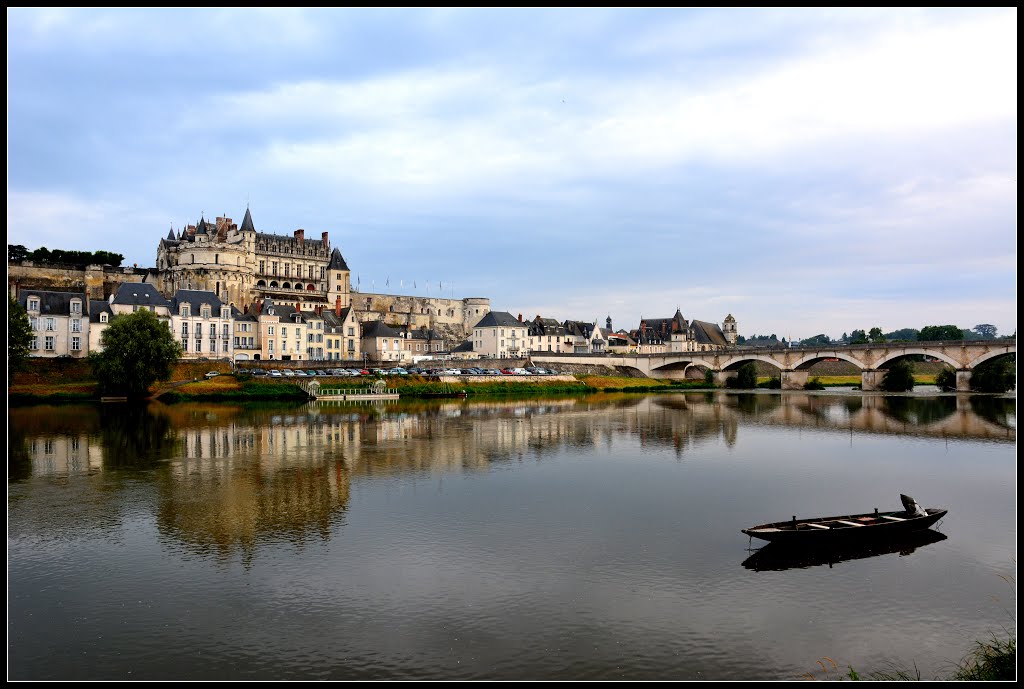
(775,557)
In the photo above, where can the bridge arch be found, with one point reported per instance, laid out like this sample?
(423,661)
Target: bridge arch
(942,356)
(811,359)
(989,356)
(737,361)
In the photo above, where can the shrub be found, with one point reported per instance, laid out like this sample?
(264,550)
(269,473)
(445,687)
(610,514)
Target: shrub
(946,380)
(898,378)
(814,384)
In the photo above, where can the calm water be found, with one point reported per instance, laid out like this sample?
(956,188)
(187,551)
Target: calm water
(569,539)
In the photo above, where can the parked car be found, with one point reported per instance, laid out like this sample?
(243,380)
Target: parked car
(275,374)
(212,374)
(288,373)
(257,372)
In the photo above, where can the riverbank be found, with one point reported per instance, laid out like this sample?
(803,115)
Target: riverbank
(54,381)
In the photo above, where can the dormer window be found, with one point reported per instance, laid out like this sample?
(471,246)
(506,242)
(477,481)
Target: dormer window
(206,312)
(33,304)
(76,308)
(185,311)
(225,312)
(103,317)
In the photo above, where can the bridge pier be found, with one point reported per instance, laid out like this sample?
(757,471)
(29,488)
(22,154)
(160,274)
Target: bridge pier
(723,377)
(871,380)
(794,380)
(963,380)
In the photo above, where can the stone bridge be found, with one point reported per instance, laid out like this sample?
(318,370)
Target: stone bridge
(794,362)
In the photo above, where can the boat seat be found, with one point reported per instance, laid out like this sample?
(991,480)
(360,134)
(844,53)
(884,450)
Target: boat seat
(895,519)
(840,521)
(767,530)
(819,526)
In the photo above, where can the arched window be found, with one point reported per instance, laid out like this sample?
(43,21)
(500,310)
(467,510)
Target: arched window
(261,283)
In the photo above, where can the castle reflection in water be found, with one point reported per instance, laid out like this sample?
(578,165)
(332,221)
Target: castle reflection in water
(227,476)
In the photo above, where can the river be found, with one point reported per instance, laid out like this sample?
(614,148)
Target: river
(588,537)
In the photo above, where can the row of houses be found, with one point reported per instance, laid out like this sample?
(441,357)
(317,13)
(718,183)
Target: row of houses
(69,324)
(499,334)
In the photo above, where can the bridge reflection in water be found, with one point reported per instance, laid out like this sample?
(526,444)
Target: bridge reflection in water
(229,477)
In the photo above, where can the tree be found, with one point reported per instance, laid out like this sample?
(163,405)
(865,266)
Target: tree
(875,334)
(906,334)
(816,340)
(16,252)
(19,337)
(746,378)
(995,376)
(898,378)
(138,350)
(986,331)
(946,380)
(858,337)
(936,333)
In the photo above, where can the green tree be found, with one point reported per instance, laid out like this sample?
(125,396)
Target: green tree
(16,252)
(858,337)
(746,377)
(875,334)
(138,350)
(19,337)
(903,334)
(986,331)
(999,375)
(946,380)
(898,378)
(936,333)
(816,340)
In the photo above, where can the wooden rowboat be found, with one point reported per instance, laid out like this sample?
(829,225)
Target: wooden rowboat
(849,527)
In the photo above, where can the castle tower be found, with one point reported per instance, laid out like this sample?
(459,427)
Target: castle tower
(729,329)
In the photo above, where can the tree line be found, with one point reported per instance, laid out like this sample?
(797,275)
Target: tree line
(929,333)
(17,252)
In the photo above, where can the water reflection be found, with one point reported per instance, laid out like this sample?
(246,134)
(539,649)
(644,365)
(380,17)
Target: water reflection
(775,557)
(229,476)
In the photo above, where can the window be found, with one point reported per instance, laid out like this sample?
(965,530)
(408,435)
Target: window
(270,346)
(49,343)
(76,325)
(284,332)
(185,311)
(199,346)
(263,266)
(351,346)
(34,323)
(225,312)
(351,332)
(34,344)
(33,304)
(270,330)
(184,344)
(225,345)
(51,323)
(206,312)
(274,267)
(184,329)
(226,330)
(76,344)
(199,329)
(76,307)
(103,318)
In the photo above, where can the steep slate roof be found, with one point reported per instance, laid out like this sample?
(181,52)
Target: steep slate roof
(241,316)
(379,329)
(53,303)
(708,333)
(170,235)
(201,228)
(98,306)
(466,346)
(495,319)
(332,320)
(424,333)
(247,225)
(195,298)
(141,293)
(337,261)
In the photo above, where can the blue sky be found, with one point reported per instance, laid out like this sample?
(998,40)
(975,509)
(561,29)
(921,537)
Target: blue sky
(808,171)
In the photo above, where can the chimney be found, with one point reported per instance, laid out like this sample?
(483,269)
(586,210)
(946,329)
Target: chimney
(337,305)
(324,239)
(300,235)
(520,318)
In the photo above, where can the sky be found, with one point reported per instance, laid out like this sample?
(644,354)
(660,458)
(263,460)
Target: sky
(807,171)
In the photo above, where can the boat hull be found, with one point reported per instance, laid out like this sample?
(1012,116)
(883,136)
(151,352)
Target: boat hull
(845,529)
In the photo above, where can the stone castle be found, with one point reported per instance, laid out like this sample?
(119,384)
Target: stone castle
(245,268)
